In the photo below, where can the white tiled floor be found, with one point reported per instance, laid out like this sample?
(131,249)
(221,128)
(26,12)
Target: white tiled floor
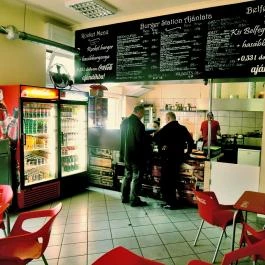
(95,221)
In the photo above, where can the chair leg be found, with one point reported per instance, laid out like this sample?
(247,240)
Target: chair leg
(218,246)
(44,260)
(7,223)
(198,233)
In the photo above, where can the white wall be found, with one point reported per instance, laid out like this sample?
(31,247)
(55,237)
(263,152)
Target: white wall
(22,62)
(231,122)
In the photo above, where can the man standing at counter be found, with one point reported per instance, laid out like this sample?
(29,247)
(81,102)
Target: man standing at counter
(215,129)
(172,139)
(132,153)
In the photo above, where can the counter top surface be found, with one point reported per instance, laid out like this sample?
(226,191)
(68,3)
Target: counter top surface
(253,147)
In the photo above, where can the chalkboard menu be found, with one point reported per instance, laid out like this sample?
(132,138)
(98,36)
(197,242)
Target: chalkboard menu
(217,42)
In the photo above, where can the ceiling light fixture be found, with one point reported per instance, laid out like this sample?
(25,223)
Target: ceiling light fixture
(91,8)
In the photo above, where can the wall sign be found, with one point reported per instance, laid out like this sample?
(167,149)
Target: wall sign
(225,41)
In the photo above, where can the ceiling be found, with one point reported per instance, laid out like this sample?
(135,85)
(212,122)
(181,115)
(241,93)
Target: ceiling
(126,10)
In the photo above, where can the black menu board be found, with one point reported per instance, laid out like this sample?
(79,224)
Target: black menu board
(225,41)
(236,41)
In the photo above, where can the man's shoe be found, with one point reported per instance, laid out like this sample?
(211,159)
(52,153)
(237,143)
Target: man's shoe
(125,201)
(139,204)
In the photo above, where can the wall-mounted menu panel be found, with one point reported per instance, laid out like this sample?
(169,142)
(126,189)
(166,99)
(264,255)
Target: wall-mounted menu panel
(225,41)
(236,41)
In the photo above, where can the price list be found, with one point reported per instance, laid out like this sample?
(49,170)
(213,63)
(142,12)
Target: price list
(226,41)
(235,44)
(132,57)
(182,51)
(222,48)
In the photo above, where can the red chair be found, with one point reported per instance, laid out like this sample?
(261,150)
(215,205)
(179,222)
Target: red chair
(22,246)
(6,196)
(233,256)
(250,236)
(3,209)
(121,256)
(214,213)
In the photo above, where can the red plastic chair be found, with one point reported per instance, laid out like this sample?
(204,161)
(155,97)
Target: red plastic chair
(250,236)
(121,256)
(3,209)
(214,213)
(6,196)
(252,250)
(22,246)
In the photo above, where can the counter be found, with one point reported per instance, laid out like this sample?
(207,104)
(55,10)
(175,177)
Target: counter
(245,146)
(192,175)
(248,156)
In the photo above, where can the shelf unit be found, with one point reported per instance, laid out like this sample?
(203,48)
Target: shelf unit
(101,166)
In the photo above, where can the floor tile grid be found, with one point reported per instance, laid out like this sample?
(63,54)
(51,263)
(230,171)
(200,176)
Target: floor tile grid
(211,253)
(169,247)
(153,232)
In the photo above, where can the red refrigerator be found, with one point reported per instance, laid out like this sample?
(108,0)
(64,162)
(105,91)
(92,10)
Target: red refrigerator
(35,124)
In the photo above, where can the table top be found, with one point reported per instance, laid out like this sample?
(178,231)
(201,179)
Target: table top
(251,201)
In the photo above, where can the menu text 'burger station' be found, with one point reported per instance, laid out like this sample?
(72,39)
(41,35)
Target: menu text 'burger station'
(226,41)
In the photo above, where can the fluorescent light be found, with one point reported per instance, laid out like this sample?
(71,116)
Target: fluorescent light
(91,8)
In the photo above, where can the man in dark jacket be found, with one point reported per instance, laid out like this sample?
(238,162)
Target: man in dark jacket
(173,139)
(132,153)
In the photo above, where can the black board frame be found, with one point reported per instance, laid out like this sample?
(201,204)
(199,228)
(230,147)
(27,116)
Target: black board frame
(212,43)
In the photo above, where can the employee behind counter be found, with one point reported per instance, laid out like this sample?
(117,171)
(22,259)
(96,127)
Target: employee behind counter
(215,130)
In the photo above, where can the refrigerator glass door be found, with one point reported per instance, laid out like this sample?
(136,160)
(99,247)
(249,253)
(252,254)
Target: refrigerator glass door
(73,139)
(40,142)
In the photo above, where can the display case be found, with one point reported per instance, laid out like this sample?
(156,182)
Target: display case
(73,124)
(40,142)
(101,167)
(103,157)
(47,133)
(73,139)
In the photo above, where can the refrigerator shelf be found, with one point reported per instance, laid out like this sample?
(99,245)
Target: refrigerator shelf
(72,154)
(30,167)
(27,183)
(36,118)
(65,173)
(37,134)
(36,149)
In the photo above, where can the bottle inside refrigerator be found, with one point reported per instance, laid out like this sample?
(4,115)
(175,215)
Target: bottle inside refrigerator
(73,139)
(40,142)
